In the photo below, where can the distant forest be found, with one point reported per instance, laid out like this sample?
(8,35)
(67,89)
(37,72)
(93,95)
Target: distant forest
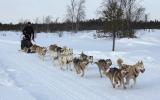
(93,24)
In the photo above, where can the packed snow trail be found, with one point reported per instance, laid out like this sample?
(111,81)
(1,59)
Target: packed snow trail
(26,76)
(30,73)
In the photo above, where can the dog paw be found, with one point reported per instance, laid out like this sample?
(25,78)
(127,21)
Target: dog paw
(62,69)
(126,83)
(124,87)
(132,86)
(82,75)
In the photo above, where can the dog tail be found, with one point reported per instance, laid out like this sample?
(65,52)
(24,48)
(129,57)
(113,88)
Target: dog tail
(119,62)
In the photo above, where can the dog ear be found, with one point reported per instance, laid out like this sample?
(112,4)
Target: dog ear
(82,53)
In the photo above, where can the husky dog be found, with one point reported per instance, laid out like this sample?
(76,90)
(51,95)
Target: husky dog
(86,57)
(25,49)
(70,58)
(103,65)
(66,57)
(80,65)
(33,48)
(54,52)
(65,60)
(116,76)
(41,51)
(67,51)
(133,70)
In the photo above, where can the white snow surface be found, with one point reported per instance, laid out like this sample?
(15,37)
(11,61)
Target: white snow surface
(26,77)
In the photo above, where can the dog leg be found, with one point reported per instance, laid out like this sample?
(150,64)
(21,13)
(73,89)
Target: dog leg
(113,82)
(82,73)
(39,56)
(79,69)
(62,67)
(70,66)
(43,58)
(52,59)
(113,85)
(67,64)
(134,79)
(123,83)
(76,70)
(100,72)
(119,84)
(127,81)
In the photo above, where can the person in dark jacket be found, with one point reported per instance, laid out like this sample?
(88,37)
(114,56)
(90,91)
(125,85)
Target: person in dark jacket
(28,33)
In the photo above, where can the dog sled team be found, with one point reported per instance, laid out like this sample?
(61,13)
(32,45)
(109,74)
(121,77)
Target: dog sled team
(119,77)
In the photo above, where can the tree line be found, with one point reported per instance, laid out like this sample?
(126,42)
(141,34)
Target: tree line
(92,24)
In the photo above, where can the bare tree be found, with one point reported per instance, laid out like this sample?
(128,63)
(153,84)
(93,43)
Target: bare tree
(56,20)
(23,21)
(80,13)
(146,17)
(37,20)
(75,13)
(71,13)
(133,12)
(48,19)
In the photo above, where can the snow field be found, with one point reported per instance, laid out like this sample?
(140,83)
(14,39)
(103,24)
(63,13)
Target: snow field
(25,76)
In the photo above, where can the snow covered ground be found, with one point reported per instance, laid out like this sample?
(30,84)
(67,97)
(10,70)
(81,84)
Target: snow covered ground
(25,77)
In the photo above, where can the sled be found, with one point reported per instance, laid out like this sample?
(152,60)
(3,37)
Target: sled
(25,45)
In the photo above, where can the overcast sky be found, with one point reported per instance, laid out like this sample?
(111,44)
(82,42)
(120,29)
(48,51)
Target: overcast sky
(14,10)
